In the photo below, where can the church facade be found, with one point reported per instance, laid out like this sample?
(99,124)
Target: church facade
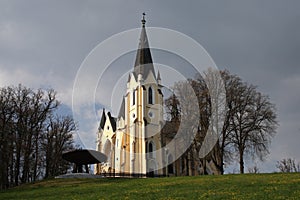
(134,140)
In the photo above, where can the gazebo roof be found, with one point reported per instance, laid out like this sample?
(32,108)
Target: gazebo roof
(84,156)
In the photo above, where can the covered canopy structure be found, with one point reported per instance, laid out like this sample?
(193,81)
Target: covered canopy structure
(84,157)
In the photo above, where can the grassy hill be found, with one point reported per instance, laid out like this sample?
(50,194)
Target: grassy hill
(247,186)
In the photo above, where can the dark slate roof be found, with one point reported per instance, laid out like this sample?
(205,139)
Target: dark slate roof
(128,78)
(122,110)
(143,62)
(113,121)
(102,121)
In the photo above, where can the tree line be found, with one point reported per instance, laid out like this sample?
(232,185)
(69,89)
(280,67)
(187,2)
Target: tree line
(248,121)
(32,135)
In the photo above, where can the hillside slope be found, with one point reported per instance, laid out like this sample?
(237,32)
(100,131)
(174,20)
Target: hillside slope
(247,186)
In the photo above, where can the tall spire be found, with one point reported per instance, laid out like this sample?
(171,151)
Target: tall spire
(143,62)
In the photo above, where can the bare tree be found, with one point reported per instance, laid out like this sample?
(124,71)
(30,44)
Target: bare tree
(172,108)
(6,137)
(213,90)
(189,122)
(58,139)
(207,90)
(24,117)
(245,125)
(253,123)
(287,165)
(253,170)
(180,110)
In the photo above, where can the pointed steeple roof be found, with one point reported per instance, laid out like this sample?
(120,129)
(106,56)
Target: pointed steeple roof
(128,78)
(143,62)
(113,121)
(158,76)
(103,119)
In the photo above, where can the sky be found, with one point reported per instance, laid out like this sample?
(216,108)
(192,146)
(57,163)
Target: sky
(43,44)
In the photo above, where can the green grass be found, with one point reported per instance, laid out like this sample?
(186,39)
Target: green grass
(248,186)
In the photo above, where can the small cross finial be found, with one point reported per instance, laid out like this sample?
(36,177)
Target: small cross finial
(143,20)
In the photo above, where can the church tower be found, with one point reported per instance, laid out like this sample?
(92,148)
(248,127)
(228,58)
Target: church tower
(134,142)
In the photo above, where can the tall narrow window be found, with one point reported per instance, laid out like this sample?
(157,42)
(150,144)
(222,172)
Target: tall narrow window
(150,150)
(150,96)
(170,165)
(133,97)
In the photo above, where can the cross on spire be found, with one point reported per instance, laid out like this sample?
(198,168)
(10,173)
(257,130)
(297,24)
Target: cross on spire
(143,20)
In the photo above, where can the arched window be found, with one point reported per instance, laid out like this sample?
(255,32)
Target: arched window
(150,150)
(133,97)
(150,96)
(107,151)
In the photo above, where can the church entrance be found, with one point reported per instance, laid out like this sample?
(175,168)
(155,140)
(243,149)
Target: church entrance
(151,168)
(150,173)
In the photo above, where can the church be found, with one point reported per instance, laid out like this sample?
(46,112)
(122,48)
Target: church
(134,140)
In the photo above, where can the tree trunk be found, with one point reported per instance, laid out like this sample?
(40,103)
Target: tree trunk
(241,162)
(3,167)
(17,166)
(204,166)
(47,164)
(222,154)
(217,158)
(36,159)
(221,166)
(187,163)
(48,157)
(11,164)
(27,160)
